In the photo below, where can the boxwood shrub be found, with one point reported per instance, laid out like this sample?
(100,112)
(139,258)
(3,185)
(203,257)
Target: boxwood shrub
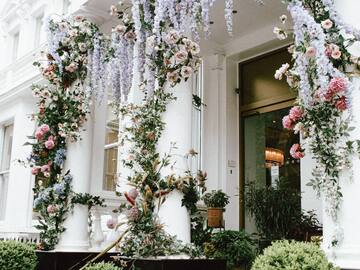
(17,256)
(286,255)
(102,266)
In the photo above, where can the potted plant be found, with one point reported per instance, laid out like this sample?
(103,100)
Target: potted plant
(215,202)
(237,248)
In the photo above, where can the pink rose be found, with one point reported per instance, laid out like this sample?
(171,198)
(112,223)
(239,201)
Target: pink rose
(34,170)
(327,24)
(45,128)
(186,71)
(51,209)
(49,144)
(111,223)
(172,76)
(295,113)
(181,56)
(296,151)
(45,168)
(341,104)
(287,122)
(39,134)
(337,85)
(336,54)
(310,52)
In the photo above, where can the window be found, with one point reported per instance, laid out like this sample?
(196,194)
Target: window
(39,31)
(111,151)
(15,46)
(6,138)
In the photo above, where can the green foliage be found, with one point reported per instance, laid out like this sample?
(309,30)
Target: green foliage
(292,255)
(216,198)
(17,256)
(277,211)
(102,266)
(236,247)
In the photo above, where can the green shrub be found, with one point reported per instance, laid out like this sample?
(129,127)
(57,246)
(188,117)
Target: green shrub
(216,198)
(236,247)
(102,266)
(292,255)
(17,256)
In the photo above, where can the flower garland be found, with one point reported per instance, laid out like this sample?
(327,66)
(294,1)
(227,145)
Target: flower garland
(63,108)
(322,112)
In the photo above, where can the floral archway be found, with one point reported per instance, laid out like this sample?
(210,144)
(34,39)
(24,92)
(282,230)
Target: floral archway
(79,60)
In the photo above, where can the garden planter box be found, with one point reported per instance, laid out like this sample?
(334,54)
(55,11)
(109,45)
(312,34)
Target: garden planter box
(65,260)
(215,217)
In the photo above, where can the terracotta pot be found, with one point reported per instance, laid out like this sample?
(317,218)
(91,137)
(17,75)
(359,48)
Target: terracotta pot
(215,217)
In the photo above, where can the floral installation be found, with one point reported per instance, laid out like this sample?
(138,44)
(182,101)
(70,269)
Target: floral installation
(322,112)
(63,106)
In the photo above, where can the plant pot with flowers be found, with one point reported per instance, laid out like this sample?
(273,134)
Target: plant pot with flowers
(215,202)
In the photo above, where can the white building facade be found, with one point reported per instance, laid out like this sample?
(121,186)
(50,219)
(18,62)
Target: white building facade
(222,131)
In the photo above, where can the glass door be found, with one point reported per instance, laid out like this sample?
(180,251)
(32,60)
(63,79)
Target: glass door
(266,157)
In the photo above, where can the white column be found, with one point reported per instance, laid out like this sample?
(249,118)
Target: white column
(78,161)
(178,118)
(347,254)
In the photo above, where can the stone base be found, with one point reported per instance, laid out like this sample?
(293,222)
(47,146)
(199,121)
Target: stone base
(56,260)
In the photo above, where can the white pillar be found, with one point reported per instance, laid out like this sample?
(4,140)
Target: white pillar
(177,118)
(347,254)
(78,161)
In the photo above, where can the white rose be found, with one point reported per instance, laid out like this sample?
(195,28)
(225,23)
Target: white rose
(181,56)
(186,71)
(172,76)
(82,47)
(172,37)
(120,28)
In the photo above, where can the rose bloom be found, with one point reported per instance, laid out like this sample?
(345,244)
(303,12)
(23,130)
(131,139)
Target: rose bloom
(51,209)
(49,144)
(34,170)
(78,18)
(295,113)
(337,85)
(72,67)
(120,28)
(327,24)
(130,35)
(39,134)
(341,104)
(45,168)
(82,47)
(310,52)
(287,122)
(111,223)
(296,151)
(336,54)
(172,37)
(186,71)
(181,56)
(45,128)
(172,76)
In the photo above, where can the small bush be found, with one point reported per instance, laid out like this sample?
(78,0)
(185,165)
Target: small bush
(236,247)
(103,266)
(285,255)
(17,256)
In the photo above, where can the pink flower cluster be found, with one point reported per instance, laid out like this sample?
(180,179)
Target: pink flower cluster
(295,114)
(296,151)
(45,169)
(41,131)
(336,93)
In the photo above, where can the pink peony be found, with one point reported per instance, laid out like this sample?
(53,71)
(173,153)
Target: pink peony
(111,223)
(341,104)
(327,24)
(34,170)
(45,168)
(49,144)
(39,134)
(287,122)
(310,52)
(295,113)
(296,151)
(45,128)
(51,209)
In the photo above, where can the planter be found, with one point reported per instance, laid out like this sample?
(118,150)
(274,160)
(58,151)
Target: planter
(215,217)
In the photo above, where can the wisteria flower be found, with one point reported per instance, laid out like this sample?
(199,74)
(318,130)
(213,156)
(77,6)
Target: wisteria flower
(327,24)
(186,71)
(296,151)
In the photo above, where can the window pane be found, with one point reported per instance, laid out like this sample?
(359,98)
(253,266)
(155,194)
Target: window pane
(110,169)
(15,46)
(6,148)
